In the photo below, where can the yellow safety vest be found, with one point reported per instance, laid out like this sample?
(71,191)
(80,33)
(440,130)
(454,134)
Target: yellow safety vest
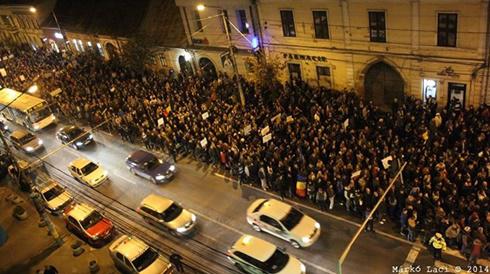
(438,243)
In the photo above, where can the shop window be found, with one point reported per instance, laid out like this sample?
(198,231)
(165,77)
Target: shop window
(377,26)
(447,28)
(323,76)
(429,89)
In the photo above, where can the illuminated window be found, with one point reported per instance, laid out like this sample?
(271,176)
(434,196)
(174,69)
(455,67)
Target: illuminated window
(99,47)
(377,26)
(80,43)
(242,21)
(75,44)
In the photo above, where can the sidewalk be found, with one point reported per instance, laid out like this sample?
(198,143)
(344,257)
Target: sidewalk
(29,247)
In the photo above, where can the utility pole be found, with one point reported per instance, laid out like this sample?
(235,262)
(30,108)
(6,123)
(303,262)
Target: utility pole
(36,199)
(233,60)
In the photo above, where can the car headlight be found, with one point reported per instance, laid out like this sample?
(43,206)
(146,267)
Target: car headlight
(306,239)
(40,142)
(91,136)
(193,218)
(181,229)
(5,127)
(36,126)
(172,168)
(317,225)
(29,148)
(159,177)
(303,268)
(78,143)
(105,173)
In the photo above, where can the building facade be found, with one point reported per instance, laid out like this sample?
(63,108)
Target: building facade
(19,25)
(383,49)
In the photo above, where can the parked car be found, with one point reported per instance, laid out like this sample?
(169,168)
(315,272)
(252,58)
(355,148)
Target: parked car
(26,141)
(78,137)
(148,166)
(283,221)
(256,256)
(55,197)
(87,172)
(167,214)
(88,223)
(132,255)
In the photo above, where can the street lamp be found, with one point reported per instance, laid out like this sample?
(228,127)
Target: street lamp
(202,7)
(60,33)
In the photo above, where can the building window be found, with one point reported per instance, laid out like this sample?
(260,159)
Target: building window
(197,21)
(227,26)
(321,24)
(377,26)
(323,76)
(287,20)
(447,28)
(99,47)
(75,44)
(242,21)
(80,43)
(163,61)
(294,71)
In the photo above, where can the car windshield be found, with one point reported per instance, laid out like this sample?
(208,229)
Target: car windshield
(74,132)
(89,168)
(172,212)
(276,262)
(53,193)
(38,115)
(151,163)
(292,218)
(91,219)
(145,259)
(27,138)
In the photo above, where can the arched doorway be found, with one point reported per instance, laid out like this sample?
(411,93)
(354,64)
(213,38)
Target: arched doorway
(208,68)
(382,84)
(111,50)
(185,66)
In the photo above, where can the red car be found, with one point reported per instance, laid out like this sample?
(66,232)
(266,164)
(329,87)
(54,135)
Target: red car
(89,224)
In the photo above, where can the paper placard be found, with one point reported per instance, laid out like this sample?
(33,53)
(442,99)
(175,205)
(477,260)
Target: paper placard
(113,89)
(11,56)
(267,138)
(205,115)
(160,121)
(247,129)
(3,72)
(55,92)
(204,142)
(386,161)
(22,78)
(346,123)
(264,131)
(356,174)
(5,58)
(317,117)
(289,119)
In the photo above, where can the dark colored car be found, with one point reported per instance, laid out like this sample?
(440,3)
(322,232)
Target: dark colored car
(148,166)
(79,136)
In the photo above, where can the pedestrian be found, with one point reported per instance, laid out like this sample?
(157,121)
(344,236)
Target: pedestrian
(331,196)
(321,198)
(412,227)
(475,252)
(466,241)
(176,261)
(370,223)
(438,245)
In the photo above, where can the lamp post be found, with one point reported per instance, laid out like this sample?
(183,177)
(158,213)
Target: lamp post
(201,7)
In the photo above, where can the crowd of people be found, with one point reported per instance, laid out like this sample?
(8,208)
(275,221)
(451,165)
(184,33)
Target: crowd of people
(304,142)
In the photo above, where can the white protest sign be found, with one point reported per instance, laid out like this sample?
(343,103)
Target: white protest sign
(113,89)
(3,72)
(5,58)
(386,161)
(289,119)
(11,56)
(205,115)
(247,130)
(346,123)
(267,138)
(160,121)
(55,92)
(264,131)
(317,117)
(22,78)
(204,142)
(356,174)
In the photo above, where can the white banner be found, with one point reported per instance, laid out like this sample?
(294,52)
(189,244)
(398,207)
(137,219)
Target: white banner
(267,138)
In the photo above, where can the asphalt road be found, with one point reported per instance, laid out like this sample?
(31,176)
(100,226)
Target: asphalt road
(221,204)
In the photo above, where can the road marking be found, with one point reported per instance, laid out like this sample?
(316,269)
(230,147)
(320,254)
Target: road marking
(411,257)
(124,179)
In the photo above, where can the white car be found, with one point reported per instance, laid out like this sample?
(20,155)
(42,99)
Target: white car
(256,256)
(283,221)
(167,213)
(55,197)
(26,141)
(87,172)
(132,255)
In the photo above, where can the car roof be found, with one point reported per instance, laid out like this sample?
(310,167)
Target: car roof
(67,129)
(140,156)
(129,246)
(254,247)
(275,209)
(47,186)
(80,211)
(156,202)
(80,162)
(19,133)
